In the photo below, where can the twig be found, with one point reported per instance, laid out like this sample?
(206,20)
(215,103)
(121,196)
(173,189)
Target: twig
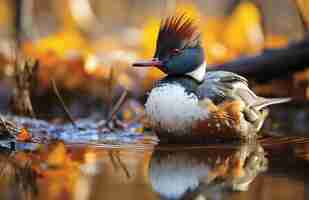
(18,23)
(10,127)
(117,106)
(116,161)
(111,157)
(32,69)
(4,125)
(24,75)
(110,91)
(63,106)
(138,118)
(123,166)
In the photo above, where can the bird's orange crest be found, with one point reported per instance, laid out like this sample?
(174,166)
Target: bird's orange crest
(176,32)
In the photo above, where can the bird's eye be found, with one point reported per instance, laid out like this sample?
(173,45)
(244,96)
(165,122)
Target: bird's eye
(175,51)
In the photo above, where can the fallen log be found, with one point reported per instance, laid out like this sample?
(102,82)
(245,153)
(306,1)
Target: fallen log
(272,63)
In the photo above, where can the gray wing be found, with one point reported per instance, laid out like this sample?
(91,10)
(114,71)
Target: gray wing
(220,86)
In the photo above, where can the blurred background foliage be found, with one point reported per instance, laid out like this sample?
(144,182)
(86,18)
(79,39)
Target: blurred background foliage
(87,47)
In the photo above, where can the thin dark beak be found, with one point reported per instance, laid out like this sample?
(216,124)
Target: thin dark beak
(154,62)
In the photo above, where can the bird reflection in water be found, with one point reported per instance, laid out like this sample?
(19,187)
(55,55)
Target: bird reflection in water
(205,172)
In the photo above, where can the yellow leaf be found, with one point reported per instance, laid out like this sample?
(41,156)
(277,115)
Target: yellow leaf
(243,29)
(149,39)
(61,43)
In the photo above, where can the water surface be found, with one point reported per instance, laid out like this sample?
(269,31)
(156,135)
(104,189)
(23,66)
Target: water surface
(272,169)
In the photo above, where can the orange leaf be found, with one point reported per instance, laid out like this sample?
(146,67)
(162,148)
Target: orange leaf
(57,156)
(24,135)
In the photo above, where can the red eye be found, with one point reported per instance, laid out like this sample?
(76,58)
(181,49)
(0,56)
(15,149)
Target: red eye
(175,51)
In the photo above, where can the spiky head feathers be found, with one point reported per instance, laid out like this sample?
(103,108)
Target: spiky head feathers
(178,50)
(176,33)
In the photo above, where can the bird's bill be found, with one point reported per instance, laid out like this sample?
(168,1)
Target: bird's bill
(153,62)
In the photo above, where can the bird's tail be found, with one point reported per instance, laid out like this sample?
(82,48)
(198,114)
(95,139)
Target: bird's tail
(264,102)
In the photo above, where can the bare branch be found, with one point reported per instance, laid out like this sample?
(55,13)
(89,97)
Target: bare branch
(117,106)
(62,104)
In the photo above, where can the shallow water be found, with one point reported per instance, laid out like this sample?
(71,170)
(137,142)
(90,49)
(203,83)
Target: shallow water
(130,165)
(273,169)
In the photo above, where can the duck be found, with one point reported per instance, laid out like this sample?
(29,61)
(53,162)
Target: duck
(190,104)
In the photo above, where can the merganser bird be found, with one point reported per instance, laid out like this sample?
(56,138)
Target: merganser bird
(190,103)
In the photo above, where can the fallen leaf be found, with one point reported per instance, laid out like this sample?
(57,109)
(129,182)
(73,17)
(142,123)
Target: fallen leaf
(24,135)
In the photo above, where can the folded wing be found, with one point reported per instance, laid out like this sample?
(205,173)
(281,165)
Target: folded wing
(220,86)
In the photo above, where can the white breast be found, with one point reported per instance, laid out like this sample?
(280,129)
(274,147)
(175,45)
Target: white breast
(171,108)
